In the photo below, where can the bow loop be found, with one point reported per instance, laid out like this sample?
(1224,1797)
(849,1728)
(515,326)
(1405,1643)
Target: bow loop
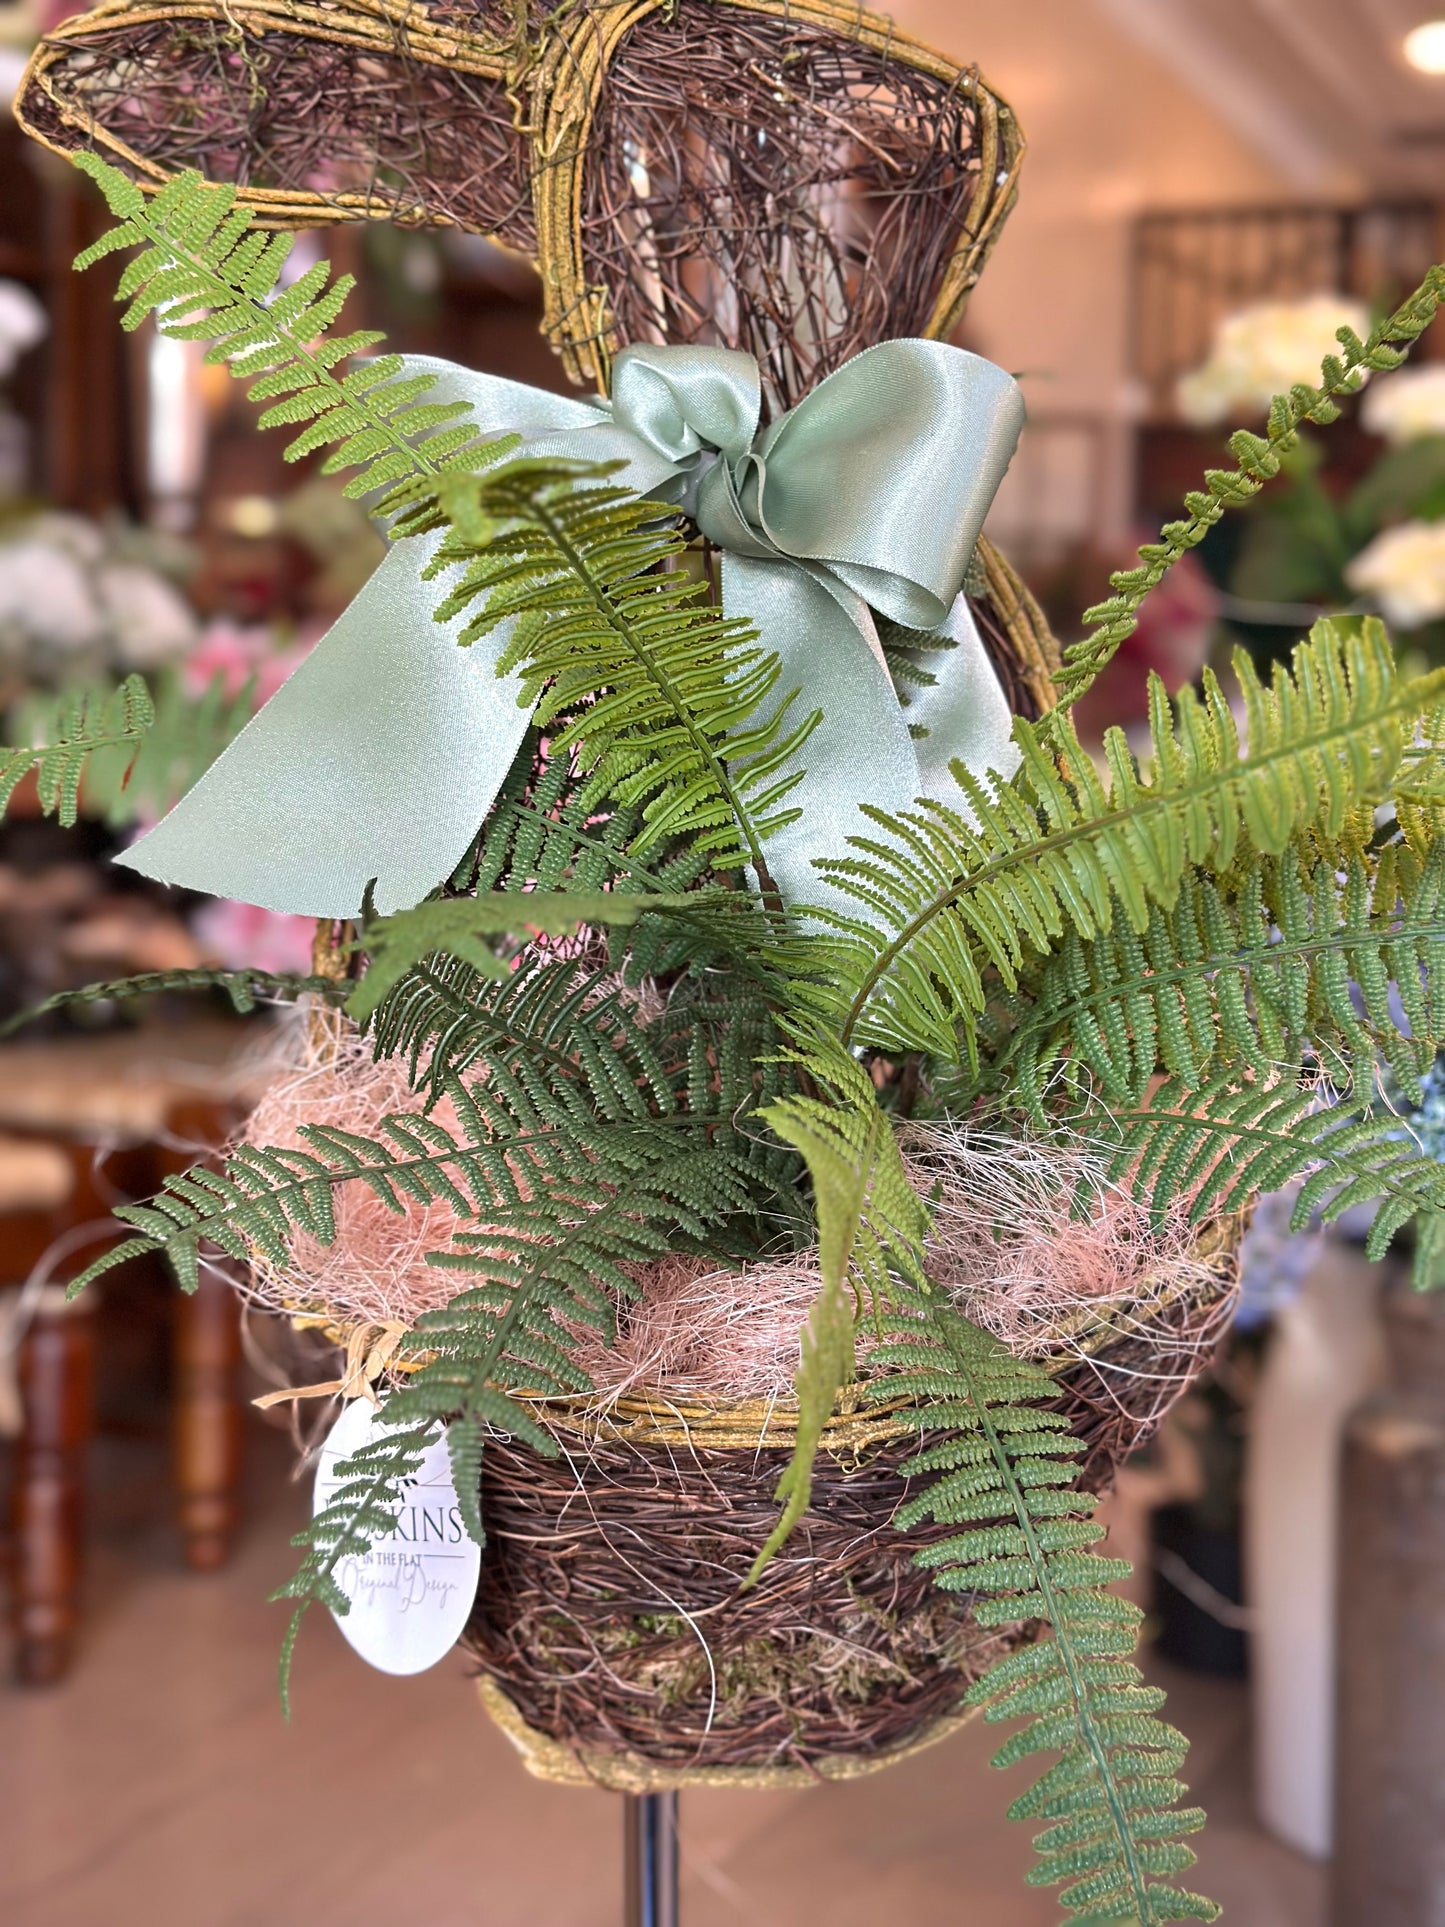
(681,401)
(383,753)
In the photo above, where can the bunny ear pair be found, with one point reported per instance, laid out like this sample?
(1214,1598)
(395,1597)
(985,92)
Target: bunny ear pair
(793,178)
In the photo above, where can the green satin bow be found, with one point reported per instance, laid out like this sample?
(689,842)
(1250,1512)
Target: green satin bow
(383,752)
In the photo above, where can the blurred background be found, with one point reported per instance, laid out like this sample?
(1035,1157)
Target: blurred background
(1209,193)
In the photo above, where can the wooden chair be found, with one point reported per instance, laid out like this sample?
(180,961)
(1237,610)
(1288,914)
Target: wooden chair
(65,1097)
(47,1357)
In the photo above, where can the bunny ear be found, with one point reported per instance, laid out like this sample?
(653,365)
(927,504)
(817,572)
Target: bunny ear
(886,172)
(317,116)
(628,151)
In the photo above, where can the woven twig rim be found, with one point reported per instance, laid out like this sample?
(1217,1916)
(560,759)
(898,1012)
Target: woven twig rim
(658,1416)
(549,1759)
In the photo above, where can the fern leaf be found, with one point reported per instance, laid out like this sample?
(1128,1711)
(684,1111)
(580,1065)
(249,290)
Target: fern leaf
(1220,1145)
(205,273)
(70,735)
(1061,850)
(1260,459)
(1113,1839)
(673,704)
(1340,954)
(465,1440)
(361,1510)
(870,1222)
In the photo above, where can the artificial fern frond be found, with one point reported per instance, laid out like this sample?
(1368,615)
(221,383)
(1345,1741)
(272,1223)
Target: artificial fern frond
(459,927)
(1060,849)
(361,1510)
(1260,458)
(558,1244)
(1004,1476)
(1222,1144)
(67,735)
(245,988)
(206,273)
(674,705)
(871,1224)
(1341,955)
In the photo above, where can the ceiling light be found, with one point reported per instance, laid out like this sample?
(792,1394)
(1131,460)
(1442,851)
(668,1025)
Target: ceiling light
(1425,47)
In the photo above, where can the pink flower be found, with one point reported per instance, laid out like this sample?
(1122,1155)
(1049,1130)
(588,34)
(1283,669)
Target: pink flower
(241,937)
(238,651)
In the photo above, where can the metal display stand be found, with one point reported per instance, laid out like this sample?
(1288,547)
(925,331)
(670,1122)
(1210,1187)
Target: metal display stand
(649,1822)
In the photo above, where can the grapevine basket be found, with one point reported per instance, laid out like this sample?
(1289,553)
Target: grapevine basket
(618,1644)
(801,180)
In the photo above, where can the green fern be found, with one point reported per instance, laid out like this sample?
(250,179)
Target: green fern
(189,730)
(1059,849)
(576,1164)
(1220,1145)
(604,1206)
(245,988)
(466,1443)
(1343,955)
(206,272)
(67,735)
(870,1225)
(361,1510)
(1004,1476)
(1260,458)
(544,832)
(673,704)
(460,927)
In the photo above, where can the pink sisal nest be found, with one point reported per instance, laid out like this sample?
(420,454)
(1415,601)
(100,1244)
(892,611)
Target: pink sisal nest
(375,1271)
(1029,1242)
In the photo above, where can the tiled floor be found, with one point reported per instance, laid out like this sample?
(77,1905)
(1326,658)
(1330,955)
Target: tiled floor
(160,1788)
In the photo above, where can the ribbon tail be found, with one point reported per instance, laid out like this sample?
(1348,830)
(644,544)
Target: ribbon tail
(964,711)
(859,752)
(377,758)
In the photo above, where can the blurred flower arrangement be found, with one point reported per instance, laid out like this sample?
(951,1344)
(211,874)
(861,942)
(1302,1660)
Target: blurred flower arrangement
(1374,544)
(83,604)
(81,599)
(22,324)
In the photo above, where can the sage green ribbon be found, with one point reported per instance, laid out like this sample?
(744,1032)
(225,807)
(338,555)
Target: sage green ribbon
(382,753)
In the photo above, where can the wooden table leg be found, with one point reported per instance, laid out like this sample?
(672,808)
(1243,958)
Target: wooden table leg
(208,1419)
(57,1369)
(1389,1869)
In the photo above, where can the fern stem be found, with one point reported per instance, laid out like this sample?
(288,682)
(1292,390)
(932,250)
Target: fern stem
(682,709)
(1112,622)
(1059,1620)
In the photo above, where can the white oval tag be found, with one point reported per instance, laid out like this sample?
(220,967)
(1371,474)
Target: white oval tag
(412,1592)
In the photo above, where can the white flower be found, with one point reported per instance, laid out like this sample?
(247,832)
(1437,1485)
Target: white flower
(1262,351)
(1407,406)
(76,535)
(149,623)
(23,322)
(1404,570)
(45,594)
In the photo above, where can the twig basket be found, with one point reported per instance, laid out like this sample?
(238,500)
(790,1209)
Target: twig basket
(619,1646)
